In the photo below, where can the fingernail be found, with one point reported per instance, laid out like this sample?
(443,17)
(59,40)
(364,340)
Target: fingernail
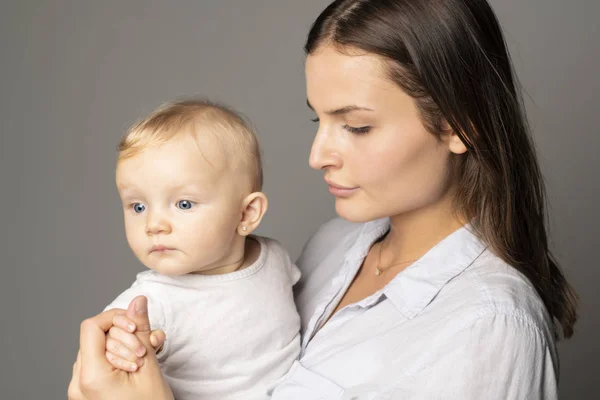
(140,351)
(140,307)
(140,362)
(131,327)
(132,367)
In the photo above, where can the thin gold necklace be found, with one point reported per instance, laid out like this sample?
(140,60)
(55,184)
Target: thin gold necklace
(380,270)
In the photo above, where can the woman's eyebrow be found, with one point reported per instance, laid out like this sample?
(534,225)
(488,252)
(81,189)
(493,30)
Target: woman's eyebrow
(343,110)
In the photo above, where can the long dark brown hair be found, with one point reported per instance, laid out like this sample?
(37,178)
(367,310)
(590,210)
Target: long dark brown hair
(451,57)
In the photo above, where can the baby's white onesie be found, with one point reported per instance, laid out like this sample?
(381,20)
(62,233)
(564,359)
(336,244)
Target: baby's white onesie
(229,336)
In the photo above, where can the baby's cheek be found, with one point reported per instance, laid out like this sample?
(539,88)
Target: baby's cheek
(138,247)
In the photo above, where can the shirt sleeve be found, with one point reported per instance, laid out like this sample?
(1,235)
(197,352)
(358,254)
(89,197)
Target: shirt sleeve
(499,356)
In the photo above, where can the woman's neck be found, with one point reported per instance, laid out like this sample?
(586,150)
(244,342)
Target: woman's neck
(414,233)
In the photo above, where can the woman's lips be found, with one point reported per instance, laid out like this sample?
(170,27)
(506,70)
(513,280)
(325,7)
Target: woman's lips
(340,191)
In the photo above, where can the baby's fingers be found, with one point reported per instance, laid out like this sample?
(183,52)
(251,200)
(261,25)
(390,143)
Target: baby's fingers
(157,337)
(121,321)
(123,349)
(119,350)
(120,363)
(129,340)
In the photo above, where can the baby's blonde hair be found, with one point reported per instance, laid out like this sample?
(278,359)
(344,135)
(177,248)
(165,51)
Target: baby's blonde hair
(230,128)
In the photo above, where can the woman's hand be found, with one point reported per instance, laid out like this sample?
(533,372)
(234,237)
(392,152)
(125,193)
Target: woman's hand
(94,378)
(124,349)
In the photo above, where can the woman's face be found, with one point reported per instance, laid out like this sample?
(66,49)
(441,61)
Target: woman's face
(377,156)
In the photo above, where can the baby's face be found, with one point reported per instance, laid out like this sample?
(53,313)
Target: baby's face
(182,205)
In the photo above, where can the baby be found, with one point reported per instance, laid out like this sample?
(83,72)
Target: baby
(190,178)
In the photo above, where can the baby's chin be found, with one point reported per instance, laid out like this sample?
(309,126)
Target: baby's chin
(174,264)
(169,268)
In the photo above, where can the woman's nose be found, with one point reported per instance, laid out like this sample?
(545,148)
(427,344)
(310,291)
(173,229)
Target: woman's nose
(324,151)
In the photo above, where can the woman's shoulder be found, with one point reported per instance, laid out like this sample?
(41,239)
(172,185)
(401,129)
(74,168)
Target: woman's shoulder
(491,287)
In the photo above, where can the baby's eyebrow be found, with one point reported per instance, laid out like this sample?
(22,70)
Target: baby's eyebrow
(126,190)
(185,185)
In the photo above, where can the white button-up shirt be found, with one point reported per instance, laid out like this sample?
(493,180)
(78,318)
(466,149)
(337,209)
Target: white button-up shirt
(457,324)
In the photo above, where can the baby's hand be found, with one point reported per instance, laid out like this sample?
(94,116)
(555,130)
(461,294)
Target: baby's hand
(123,349)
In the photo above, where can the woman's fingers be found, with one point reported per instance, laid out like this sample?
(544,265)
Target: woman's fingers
(137,312)
(92,345)
(124,344)
(94,377)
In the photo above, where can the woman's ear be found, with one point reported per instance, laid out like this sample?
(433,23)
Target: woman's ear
(456,145)
(254,207)
(454,142)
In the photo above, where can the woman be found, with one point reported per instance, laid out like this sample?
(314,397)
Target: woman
(437,281)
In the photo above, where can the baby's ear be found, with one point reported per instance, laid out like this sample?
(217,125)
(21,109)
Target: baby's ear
(254,207)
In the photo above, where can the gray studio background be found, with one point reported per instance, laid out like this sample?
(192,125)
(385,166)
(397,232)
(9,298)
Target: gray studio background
(75,74)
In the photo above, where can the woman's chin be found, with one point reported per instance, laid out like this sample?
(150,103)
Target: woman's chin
(355,212)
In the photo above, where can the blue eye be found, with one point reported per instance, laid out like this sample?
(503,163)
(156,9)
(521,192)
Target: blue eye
(185,204)
(138,208)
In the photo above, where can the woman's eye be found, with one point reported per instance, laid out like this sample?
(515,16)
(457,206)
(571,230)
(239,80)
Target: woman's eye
(315,119)
(138,208)
(357,131)
(185,204)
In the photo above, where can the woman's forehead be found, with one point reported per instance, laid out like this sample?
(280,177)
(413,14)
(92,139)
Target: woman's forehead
(336,79)
(329,62)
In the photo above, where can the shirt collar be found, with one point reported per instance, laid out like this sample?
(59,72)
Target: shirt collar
(415,287)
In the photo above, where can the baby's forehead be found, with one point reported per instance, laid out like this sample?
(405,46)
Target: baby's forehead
(172,169)
(202,152)
(207,134)
(220,148)
(198,153)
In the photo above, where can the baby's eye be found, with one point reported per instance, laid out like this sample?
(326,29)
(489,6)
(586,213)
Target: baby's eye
(185,204)
(138,208)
